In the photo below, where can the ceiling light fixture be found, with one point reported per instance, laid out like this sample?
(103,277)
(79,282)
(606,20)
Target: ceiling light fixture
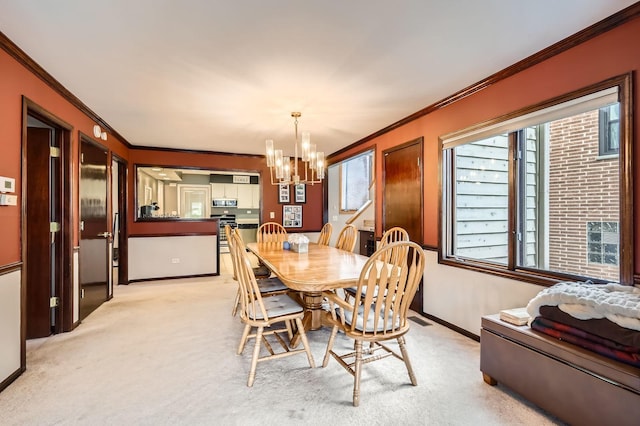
(312,161)
(97,131)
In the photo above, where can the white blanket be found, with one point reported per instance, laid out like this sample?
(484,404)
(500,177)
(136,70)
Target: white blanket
(617,303)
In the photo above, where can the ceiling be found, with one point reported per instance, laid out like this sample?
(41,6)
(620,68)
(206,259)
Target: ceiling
(226,75)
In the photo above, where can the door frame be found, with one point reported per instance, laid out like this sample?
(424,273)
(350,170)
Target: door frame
(64,259)
(418,301)
(123,248)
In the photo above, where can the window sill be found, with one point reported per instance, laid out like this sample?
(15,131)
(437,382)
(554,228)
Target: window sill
(533,277)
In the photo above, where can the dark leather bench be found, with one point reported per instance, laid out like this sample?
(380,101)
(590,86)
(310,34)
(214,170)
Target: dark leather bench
(571,383)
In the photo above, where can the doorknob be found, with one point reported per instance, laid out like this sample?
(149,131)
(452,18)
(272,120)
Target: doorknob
(105,234)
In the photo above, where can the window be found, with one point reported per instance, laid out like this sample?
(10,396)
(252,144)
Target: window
(609,127)
(530,196)
(602,243)
(355,180)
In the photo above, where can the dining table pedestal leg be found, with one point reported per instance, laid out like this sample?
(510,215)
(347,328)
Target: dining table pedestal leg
(312,303)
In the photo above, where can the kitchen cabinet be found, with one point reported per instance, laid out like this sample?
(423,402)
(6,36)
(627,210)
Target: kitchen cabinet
(255,196)
(248,196)
(224,190)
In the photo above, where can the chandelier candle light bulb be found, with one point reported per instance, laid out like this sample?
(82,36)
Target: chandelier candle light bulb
(312,161)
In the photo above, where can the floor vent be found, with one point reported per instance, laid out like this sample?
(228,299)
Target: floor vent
(419,321)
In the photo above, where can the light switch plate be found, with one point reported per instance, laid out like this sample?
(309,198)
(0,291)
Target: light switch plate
(8,200)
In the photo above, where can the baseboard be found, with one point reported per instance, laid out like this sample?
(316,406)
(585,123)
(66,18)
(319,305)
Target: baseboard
(140,280)
(6,382)
(453,327)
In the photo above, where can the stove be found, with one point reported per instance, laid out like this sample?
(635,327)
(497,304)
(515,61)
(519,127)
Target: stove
(224,219)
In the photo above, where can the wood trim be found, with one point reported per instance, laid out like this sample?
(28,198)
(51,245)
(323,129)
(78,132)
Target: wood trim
(580,37)
(453,327)
(6,382)
(123,210)
(19,55)
(11,267)
(196,151)
(173,234)
(627,234)
(140,280)
(64,282)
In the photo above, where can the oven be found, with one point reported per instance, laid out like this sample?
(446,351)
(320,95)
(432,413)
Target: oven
(224,219)
(248,228)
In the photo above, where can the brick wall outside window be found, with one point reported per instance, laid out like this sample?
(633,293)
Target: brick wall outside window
(582,188)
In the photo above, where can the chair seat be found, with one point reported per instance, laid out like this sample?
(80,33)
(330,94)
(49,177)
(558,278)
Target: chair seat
(271,285)
(351,291)
(261,271)
(278,306)
(369,327)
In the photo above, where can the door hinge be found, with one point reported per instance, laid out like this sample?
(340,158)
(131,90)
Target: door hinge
(82,157)
(54,152)
(54,302)
(82,225)
(54,226)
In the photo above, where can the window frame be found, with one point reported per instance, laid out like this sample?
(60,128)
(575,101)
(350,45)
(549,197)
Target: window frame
(370,153)
(511,270)
(604,144)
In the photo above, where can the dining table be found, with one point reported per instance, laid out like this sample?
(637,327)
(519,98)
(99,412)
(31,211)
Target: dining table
(311,272)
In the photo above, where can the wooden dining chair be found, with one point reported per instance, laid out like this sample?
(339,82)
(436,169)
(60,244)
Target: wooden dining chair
(347,238)
(390,236)
(271,232)
(269,286)
(380,318)
(261,314)
(325,234)
(394,234)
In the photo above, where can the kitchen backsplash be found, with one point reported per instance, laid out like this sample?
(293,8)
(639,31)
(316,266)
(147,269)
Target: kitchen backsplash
(240,213)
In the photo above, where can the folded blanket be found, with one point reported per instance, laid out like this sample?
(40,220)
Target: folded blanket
(585,340)
(584,300)
(600,327)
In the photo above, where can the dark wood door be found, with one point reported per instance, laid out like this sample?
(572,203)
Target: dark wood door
(40,275)
(94,228)
(402,195)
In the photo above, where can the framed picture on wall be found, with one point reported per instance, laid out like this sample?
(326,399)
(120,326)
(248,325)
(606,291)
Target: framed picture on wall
(283,194)
(292,216)
(300,193)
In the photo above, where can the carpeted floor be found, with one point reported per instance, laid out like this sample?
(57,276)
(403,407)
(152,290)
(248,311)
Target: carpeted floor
(163,353)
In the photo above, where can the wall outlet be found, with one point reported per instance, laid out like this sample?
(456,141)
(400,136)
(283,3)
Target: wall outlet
(272,215)
(175,260)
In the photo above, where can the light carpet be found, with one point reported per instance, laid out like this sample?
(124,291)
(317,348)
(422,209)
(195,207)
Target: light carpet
(164,352)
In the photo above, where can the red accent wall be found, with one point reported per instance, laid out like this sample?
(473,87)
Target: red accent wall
(611,54)
(15,83)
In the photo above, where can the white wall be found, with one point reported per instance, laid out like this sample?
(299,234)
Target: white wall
(337,219)
(153,257)
(461,296)
(9,324)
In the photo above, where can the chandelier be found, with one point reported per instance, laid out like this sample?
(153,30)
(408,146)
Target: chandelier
(312,161)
